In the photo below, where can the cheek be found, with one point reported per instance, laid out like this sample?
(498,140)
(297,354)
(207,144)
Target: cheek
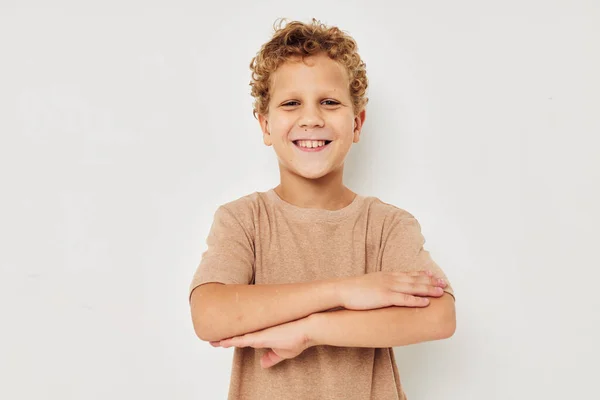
(281,127)
(345,130)
(343,122)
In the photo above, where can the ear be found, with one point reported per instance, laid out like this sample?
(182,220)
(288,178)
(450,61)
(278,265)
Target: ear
(359,120)
(264,126)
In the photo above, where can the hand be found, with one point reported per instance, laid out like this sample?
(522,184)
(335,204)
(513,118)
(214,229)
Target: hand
(285,341)
(385,289)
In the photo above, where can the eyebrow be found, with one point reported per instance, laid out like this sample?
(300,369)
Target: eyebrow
(294,93)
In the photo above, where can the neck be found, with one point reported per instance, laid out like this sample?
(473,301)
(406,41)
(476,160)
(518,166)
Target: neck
(327,192)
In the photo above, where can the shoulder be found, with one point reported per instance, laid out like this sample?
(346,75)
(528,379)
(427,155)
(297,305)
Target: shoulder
(243,209)
(246,205)
(240,204)
(387,212)
(398,226)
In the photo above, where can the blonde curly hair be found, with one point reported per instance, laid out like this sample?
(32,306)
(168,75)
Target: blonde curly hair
(298,39)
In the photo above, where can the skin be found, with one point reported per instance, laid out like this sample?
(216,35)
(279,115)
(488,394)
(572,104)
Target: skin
(311,99)
(373,328)
(285,341)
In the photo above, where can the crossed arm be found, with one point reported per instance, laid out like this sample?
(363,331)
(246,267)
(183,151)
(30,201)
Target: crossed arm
(304,310)
(385,327)
(288,318)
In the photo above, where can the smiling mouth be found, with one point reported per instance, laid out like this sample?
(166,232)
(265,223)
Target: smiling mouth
(326,142)
(319,145)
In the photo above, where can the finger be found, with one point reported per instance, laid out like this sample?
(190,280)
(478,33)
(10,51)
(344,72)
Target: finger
(424,279)
(248,340)
(406,300)
(270,359)
(237,341)
(435,281)
(216,344)
(415,273)
(418,289)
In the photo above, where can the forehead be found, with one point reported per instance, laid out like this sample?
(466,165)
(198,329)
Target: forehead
(316,73)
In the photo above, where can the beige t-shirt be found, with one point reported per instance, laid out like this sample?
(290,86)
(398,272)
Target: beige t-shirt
(262,239)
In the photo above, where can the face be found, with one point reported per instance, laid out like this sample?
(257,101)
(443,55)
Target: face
(310,106)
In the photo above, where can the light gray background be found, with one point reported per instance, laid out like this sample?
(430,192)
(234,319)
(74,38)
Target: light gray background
(125,124)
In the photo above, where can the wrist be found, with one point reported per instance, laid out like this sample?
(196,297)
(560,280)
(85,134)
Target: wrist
(313,322)
(335,288)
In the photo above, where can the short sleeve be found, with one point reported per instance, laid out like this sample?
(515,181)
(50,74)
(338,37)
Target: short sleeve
(403,249)
(229,257)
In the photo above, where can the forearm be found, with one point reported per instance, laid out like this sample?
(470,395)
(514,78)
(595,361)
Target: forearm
(384,327)
(221,311)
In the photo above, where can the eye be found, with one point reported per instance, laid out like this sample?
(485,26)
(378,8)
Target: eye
(324,102)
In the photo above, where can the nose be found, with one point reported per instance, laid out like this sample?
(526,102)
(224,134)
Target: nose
(310,118)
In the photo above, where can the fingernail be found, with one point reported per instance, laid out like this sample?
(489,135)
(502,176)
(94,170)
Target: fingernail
(441,281)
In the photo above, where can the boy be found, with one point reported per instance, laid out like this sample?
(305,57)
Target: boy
(312,283)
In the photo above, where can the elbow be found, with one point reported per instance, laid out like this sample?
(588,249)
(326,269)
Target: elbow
(447,328)
(444,328)
(203,329)
(442,318)
(206,336)
(206,324)
(202,321)
(200,328)
(446,323)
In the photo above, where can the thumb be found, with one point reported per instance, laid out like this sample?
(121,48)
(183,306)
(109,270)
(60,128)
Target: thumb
(269,359)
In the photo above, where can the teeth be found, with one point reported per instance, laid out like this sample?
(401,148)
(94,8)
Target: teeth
(311,143)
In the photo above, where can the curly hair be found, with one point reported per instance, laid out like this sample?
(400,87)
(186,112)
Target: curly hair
(298,39)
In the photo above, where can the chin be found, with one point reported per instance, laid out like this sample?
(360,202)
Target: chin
(313,174)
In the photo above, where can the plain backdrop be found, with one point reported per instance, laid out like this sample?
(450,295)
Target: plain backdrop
(125,124)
